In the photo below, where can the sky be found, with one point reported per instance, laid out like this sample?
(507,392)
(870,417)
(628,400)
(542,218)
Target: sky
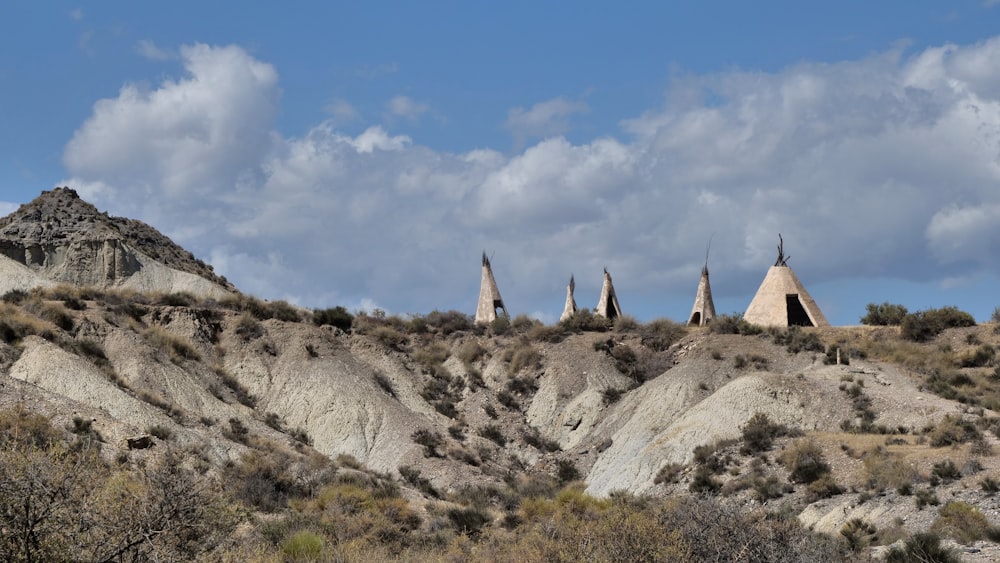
(366,154)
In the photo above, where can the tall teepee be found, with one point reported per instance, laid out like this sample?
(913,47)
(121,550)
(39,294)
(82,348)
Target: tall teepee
(570,309)
(489,296)
(608,305)
(782,300)
(704,309)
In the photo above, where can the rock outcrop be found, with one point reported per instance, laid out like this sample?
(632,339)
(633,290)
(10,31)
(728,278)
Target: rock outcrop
(59,238)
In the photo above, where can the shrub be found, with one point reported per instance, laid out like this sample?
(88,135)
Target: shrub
(524,386)
(178,348)
(922,547)
(804,461)
(884,470)
(704,481)
(522,357)
(337,317)
(953,429)
(470,351)
(946,470)
(669,473)
(508,400)
(243,396)
(733,324)
(303,546)
(759,434)
(385,383)
(925,325)
(390,337)
(431,441)
(468,521)
(796,340)
(884,315)
(566,471)
(610,395)
(177,299)
(924,497)
(162,432)
(982,357)
(237,431)
(858,533)
(990,485)
(660,334)
(57,315)
(586,321)
(962,522)
(493,433)
(413,477)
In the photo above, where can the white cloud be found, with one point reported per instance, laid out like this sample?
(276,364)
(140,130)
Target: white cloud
(403,106)
(544,119)
(341,111)
(76,14)
(881,167)
(6,208)
(149,50)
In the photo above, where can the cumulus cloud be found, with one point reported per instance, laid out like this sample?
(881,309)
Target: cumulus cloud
(544,119)
(882,167)
(6,208)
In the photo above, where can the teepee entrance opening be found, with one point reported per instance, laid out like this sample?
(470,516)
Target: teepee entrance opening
(797,315)
(695,319)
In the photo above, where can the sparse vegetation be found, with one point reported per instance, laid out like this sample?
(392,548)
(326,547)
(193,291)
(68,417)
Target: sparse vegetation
(884,314)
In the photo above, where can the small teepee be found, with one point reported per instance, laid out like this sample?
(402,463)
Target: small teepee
(489,297)
(782,300)
(570,309)
(704,309)
(608,305)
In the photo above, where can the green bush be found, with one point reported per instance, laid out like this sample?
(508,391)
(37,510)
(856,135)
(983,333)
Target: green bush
(885,314)
(337,317)
(733,324)
(586,321)
(925,325)
(303,546)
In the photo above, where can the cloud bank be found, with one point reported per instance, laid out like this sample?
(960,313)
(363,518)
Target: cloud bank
(888,166)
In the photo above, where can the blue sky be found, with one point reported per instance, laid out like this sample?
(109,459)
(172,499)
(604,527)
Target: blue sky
(365,154)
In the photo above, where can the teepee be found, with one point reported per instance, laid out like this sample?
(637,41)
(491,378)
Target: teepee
(489,297)
(570,309)
(782,300)
(704,309)
(608,305)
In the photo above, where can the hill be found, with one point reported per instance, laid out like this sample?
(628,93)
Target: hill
(652,410)
(59,238)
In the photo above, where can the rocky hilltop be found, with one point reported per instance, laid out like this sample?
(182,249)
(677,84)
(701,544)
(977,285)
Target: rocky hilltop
(59,238)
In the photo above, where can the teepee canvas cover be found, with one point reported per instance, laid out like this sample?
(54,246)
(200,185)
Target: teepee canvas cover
(704,309)
(489,296)
(782,300)
(570,309)
(608,305)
